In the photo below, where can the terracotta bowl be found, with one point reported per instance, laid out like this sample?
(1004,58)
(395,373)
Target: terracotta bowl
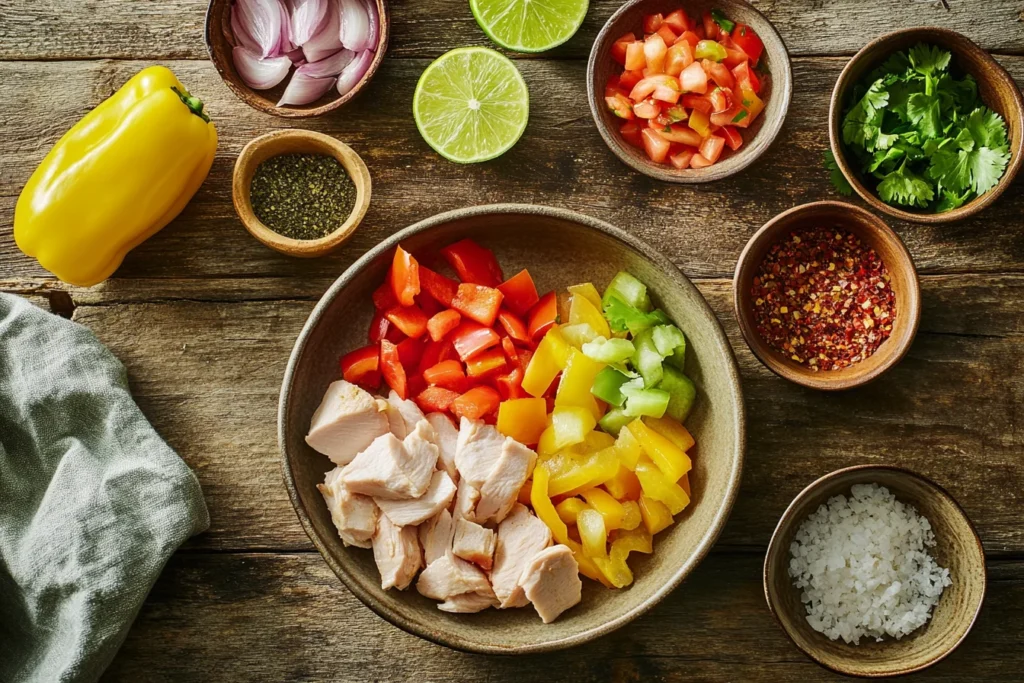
(219,43)
(298,142)
(873,232)
(995,87)
(957,548)
(560,248)
(776,90)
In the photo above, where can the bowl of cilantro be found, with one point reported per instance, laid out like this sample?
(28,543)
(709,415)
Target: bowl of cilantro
(925,126)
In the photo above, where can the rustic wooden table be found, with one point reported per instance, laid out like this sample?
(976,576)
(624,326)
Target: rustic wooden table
(204,318)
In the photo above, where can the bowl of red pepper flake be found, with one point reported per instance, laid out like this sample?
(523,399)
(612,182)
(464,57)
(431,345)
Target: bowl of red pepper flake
(827,296)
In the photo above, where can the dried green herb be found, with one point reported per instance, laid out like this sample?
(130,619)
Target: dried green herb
(302,196)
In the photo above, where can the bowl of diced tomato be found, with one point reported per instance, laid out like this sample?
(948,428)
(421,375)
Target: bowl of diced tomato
(689,91)
(506,315)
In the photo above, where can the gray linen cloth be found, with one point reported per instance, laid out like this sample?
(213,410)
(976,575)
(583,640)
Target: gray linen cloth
(92,501)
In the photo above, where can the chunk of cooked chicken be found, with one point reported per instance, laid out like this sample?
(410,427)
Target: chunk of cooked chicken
(394,469)
(502,486)
(447,443)
(449,576)
(465,501)
(551,581)
(353,514)
(422,450)
(403,415)
(473,543)
(468,603)
(520,537)
(347,421)
(436,535)
(414,511)
(478,451)
(396,550)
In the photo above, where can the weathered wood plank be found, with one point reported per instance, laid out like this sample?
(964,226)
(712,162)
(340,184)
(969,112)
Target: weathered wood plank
(287,617)
(561,161)
(207,374)
(173,29)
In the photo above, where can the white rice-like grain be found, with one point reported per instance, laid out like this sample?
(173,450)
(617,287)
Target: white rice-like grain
(863,567)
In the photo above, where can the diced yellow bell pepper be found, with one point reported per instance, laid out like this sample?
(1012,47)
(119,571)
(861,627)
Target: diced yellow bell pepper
(655,514)
(659,487)
(671,430)
(571,425)
(700,122)
(632,541)
(586,564)
(579,334)
(631,518)
(624,485)
(544,508)
(609,508)
(672,460)
(569,509)
(593,533)
(684,484)
(546,443)
(577,380)
(547,361)
(593,470)
(588,291)
(752,103)
(523,419)
(629,448)
(582,310)
(615,570)
(597,441)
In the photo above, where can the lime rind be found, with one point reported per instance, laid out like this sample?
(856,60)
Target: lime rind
(529,25)
(471,105)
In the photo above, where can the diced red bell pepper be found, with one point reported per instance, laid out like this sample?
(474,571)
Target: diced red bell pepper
(543,316)
(514,326)
(392,369)
(470,338)
(405,277)
(473,263)
(358,366)
(410,351)
(435,399)
(486,362)
(381,328)
(510,350)
(411,320)
(428,305)
(441,324)
(383,297)
(448,374)
(434,353)
(478,303)
(510,384)
(748,41)
(440,288)
(416,385)
(520,292)
(476,403)
(524,358)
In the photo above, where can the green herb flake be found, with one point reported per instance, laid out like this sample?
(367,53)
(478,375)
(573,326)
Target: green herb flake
(839,181)
(739,117)
(723,22)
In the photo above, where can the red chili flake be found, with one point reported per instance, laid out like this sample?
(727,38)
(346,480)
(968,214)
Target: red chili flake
(823,299)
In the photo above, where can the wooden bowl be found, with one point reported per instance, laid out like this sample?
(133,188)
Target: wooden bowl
(560,248)
(776,90)
(873,232)
(957,548)
(995,87)
(220,41)
(298,142)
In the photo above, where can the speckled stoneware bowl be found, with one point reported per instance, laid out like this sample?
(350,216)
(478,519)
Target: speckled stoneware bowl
(560,248)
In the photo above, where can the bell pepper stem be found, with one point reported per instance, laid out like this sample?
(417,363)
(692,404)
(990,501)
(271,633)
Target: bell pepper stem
(194,104)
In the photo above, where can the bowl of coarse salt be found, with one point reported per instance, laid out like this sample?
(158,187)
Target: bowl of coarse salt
(875,571)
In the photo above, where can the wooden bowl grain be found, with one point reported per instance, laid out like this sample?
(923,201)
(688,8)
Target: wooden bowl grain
(220,41)
(995,86)
(873,232)
(560,248)
(298,142)
(776,89)
(957,548)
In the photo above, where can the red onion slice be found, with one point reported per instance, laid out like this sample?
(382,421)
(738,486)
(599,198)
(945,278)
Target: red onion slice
(355,25)
(374,23)
(327,39)
(286,44)
(306,18)
(354,72)
(331,66)
(241,35)
(261,19)
(260,74)
(302,89)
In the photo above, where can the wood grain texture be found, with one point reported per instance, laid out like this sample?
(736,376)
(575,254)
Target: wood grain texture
(561,161)
(287,618)
(173,29)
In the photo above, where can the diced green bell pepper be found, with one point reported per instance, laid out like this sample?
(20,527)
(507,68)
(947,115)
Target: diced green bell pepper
(608,386)
(609,350)
(681,390)
(629,290)
(640,402)
(621,316)
(671,342)
(614,420)
(647,359)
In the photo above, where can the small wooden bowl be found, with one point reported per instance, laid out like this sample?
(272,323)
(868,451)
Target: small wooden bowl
(776,89)
(298,142)
(995,87)
(220,42)
(874,233)
(957,548)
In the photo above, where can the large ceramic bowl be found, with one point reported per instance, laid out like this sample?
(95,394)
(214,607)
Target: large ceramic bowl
(560,248)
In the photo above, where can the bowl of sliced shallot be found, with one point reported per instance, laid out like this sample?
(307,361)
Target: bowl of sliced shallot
(512,429)
(297,58)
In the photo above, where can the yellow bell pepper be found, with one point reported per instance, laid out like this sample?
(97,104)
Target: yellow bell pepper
(523,419)
(597,441)
(543,507)
(671,430)
(624,485)
(629,448)
(547,361)
(659,487)
(577,380)
(671,459)
(569,509)
(579,334)
(632,518)
(583,310)
(632,541)
(655,514)
(593,533)
(592,470)
(589,292)
(610,509)
(571,424)
(116,178)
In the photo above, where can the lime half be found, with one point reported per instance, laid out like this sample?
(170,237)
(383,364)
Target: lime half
(529,25)
(471,104)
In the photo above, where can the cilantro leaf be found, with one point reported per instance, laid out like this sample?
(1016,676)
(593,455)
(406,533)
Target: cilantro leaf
(839,181)
(987,166)
(863,122)
(723,21)
(905,187)
(924,112)
(928,60)
(886,160)
(899,95)
(951,200)
(986,127)
(951,168)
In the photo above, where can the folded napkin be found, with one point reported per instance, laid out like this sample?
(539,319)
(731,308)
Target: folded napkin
(92,501)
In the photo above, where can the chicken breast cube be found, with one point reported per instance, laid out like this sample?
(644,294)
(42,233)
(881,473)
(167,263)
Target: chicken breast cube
(436,536)
(501,488)
(467,603)
(347,421)
(551,581)
(447,443)
(449,576)
(402,415)
(396,550)
(415,511)
(520,537)
(392,469)
(354,515)
(421,452)
(473,543)
(465,501)
(478,451)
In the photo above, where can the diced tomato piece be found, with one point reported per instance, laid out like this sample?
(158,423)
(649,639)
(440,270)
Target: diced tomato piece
(748,41)
(411,320)
(734,57)
(698,102)
(681,134)
(682,158)
(486,362)
(630,132)
(384,297)
(721,100)
(678,57)
(442,323)
(694,79)
(661,87)
(476,403)
(410,351)
(448,374)
(478,303)
(648,109)
(611,88)
(514,326)
(699,162)
(677,20)
(619,47)
(620,105)
(392,369)
(543,315)
(728,118)
(471,338)
(746,77)
(656,146)
(473,263)
(732,137)
(652,22)
(711,28)
(667,34)
(520,292)
(630,78)
(752,106)
(690,38)
(510,384)
(434,353)
(719,73)
(511,353)
(405,277)
(635,59)
(359,365)
(435,399)
(654,53)
(440,288)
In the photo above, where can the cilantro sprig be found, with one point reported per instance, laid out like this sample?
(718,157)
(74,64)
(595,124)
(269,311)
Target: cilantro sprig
(922,133)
